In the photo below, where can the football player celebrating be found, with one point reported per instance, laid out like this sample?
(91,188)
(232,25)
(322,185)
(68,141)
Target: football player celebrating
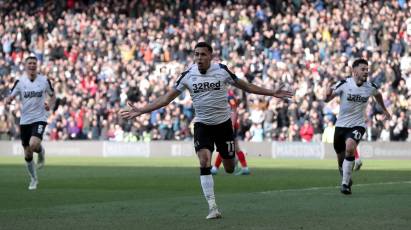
(207,83)
(354,93)
(32,89)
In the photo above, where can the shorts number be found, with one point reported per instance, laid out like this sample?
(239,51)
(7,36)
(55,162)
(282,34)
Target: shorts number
(230,147)
(357,135)
(39,129)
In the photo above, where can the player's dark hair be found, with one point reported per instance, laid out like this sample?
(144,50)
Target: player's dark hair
(31,58)
(204,44)
(359,62)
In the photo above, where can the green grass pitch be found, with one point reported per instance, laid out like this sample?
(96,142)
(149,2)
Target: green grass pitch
(165,193)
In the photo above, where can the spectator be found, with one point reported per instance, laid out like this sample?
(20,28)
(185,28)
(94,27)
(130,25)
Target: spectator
(4,128)
(98,54)
(328,134)
(385,133)
(306,131)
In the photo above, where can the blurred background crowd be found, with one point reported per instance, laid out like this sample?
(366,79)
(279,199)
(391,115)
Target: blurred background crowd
(99,54)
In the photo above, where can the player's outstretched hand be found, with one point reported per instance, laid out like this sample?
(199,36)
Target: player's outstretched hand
(130,112)
(281,92)
(328,89)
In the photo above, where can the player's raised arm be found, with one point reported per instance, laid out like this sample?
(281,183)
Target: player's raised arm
(333,91)
(380,101)
(52,96)
(8,99)
(133,111)
(279,92)
(15,90)
(329,93)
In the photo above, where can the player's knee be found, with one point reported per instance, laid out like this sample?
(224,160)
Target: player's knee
(34,147)
(28,158)
(229,165)
(350,151)
(204,157)
(204,163)
(229,169)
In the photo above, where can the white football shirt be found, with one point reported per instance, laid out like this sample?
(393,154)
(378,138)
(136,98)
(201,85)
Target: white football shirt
(353,102)
(32,96)
(208,92)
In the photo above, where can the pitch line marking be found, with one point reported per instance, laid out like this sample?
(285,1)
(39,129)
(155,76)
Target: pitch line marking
(329,187)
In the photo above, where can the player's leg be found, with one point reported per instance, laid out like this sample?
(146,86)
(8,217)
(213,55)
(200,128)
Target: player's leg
(41,157)
(217,164)
(35,142)
(352,139)
(31,168)
(357,161)
(204,146)
(225,145)
(348,165)
(207,183)
(241,158)
(340,159)
(356,154)
(25,133)
(339,147)
(35,146)
(229,164)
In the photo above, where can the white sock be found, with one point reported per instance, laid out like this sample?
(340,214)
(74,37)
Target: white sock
(207,183)
(32,170)
(347,171)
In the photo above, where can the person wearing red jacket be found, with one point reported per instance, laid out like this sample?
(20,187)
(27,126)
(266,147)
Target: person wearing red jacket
(307,132)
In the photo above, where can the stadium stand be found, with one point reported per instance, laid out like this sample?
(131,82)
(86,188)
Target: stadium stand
(99,53)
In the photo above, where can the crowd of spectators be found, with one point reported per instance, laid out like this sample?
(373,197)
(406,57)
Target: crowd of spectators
(99,54)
